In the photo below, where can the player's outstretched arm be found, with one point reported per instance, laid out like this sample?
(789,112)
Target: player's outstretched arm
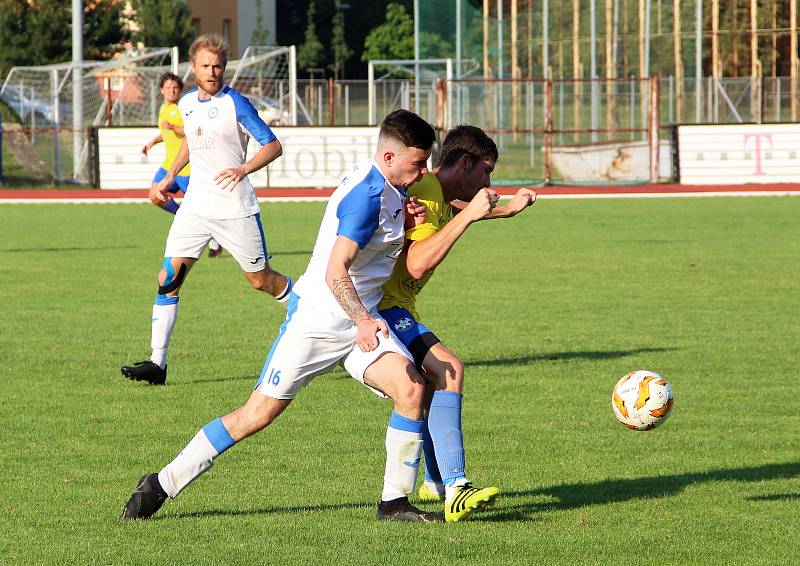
(149,145)
(338,279)
(228,178)
(523,199)
(425,255)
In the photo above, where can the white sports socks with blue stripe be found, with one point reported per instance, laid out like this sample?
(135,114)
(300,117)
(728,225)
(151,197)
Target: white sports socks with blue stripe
(197,458)
(403,449)
(165,313)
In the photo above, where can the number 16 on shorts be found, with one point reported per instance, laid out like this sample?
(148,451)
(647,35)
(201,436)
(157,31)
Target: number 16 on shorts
(274,377)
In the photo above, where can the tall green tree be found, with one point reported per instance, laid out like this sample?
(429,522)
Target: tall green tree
(102,33)
(393,39)
(34,34)
(309,54)
(39,33)
(341,50)
(360,19)
(260,35)
(164,23)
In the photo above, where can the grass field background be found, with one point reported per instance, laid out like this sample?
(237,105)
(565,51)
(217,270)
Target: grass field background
(548,310)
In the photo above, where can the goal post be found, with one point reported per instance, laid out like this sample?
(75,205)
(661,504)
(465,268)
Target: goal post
(124,88)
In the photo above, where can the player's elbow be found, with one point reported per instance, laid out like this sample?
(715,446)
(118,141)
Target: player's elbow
(277,148)
(416,270)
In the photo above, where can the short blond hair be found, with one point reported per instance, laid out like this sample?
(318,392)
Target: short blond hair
(213,42)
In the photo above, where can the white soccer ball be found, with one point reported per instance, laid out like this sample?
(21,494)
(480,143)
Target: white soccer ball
(642,400)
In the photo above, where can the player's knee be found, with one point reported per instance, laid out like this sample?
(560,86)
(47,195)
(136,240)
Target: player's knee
(410,392)
(155,201)
(169,281)
(268,281)
(455,374)
(262,280)
(257,281)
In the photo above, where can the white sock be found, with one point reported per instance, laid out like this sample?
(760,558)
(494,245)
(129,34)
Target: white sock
(450,489)
(164,317)
(435,487)
(403,450)
(196,458)
(213,244)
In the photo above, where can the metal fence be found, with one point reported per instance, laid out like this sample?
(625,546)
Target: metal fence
(589,119)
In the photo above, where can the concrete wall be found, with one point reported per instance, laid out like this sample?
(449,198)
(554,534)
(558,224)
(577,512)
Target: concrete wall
(246,25)
(242,18)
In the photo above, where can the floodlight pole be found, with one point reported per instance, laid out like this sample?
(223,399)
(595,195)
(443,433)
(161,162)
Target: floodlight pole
(77,90)
(458,39)
(593,71)
(498,100)
(416,56)
(647,40)
(698,63)
(499,39)
(545,41)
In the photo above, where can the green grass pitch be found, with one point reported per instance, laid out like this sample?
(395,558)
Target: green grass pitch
(548,310)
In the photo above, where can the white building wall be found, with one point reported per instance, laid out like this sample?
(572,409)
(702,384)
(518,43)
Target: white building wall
(246,22)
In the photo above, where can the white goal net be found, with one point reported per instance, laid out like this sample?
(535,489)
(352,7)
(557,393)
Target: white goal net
(56,104)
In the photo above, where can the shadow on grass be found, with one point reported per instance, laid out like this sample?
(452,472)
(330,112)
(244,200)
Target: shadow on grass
(69,249)
(560,497)
(775,497)
(564,356)
(185,382)
(300,252)
(571,496)
(267,510)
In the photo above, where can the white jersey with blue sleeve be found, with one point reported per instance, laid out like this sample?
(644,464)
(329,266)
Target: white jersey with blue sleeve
(367,209)
(216,133)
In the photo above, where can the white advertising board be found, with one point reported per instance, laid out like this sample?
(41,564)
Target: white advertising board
(312,156)
(736,154)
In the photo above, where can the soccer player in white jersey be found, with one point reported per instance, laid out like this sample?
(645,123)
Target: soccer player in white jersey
(455,195)
(332,319)
(220,202)
(170,131)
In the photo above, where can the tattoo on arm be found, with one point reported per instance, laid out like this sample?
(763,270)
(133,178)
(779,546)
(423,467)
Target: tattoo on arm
(347,297)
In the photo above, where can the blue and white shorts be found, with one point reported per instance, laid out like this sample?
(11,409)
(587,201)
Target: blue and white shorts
(413,334)
(311,343)
(242,237)
(181,182)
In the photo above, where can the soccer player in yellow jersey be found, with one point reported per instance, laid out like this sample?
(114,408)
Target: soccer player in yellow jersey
(455,195)
(170,126)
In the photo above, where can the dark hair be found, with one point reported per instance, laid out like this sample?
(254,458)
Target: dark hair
(170,77)
(407,128)
(466,140)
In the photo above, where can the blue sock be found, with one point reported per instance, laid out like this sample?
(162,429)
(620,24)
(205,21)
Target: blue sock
(171,206)
(218,436)
(431,467)
(444,422)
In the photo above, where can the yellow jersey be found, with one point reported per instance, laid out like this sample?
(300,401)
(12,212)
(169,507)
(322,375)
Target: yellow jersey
(401,289)
(172,141)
